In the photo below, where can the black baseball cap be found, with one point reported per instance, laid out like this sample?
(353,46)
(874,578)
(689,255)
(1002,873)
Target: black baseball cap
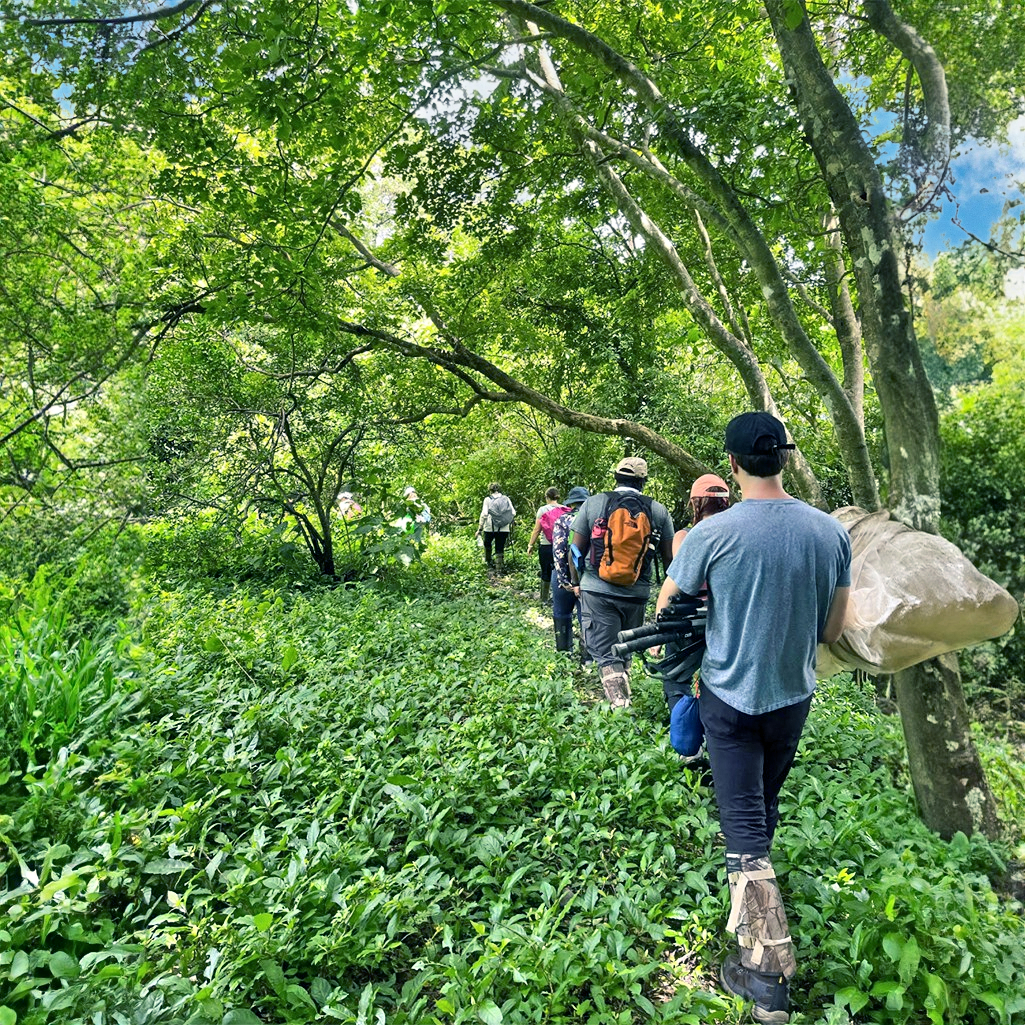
(755,434)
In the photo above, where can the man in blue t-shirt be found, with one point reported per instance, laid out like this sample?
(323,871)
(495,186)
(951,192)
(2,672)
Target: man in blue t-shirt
(778,577)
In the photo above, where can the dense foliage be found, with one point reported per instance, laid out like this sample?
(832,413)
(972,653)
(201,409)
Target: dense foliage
(394,802)
(263,761)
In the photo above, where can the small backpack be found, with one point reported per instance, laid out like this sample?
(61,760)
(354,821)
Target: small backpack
(549,518)
(501,511)
(623,538)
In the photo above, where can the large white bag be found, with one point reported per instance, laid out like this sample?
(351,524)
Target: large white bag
(913,596)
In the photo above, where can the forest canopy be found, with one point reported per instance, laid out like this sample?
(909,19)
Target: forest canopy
(261,256)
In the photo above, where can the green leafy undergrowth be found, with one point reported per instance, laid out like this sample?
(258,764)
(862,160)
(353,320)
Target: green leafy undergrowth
(57,689)
(387,804)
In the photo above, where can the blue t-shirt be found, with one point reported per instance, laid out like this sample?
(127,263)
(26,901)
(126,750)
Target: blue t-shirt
(772,566)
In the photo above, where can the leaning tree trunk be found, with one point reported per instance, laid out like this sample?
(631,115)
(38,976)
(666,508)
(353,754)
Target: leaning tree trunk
(945,767)
(952,791)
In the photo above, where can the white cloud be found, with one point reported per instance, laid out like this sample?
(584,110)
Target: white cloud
(998,168)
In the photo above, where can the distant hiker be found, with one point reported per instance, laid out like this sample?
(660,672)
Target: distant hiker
(496,519)
(617,535)
(348,507)
(423,510)
(544,519)
(708,495)
(778,576)
(566,593)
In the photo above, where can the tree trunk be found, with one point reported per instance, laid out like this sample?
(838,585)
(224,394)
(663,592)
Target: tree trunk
(952,792)
(945,767)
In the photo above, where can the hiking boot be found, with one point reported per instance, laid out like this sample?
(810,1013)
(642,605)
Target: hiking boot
(563,635)
(616,685)
(770,993)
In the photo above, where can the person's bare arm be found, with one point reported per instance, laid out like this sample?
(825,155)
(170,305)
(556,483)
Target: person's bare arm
(667,550)
(837,614)
(668,592)
(533,536)
(678,540)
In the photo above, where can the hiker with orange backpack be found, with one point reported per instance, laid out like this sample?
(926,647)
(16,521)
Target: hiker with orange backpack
(617,536)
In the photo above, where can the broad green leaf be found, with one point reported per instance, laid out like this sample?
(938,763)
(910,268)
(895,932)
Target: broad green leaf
(489,1013)
(321,990)
(893,944)
(274,975)
(852,997)
(166,866)
(64,966)
(938,1000)
(240,1016)
(289,657)
(909,959)
(19,965)
(70,879)
(297,995)
(794,13)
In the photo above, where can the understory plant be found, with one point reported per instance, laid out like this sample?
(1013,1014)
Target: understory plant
(395,802)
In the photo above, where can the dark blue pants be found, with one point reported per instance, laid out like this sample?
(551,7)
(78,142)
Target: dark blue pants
(751,756)
(563,604)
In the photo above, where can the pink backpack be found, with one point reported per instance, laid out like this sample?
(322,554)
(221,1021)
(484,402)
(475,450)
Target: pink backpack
(549,518)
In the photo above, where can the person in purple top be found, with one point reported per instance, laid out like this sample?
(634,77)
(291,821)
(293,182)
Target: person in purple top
(565,591)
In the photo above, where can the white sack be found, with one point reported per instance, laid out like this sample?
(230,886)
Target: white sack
(913,596)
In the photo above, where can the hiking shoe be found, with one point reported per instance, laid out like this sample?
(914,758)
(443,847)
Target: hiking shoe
(770,993)
(700,766)
(698,760)
(617,689)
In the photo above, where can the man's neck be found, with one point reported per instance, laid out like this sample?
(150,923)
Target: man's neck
(761,487)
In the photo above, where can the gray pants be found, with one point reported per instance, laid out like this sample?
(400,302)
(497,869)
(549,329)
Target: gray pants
(604,616)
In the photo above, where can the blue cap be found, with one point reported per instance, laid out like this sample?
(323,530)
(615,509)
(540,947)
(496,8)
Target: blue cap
(577,496)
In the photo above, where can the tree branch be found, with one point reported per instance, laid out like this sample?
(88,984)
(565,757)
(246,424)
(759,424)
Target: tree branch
(126,19)
(746,235)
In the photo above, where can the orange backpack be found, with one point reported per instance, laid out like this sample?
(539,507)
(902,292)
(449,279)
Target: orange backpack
(623,539)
